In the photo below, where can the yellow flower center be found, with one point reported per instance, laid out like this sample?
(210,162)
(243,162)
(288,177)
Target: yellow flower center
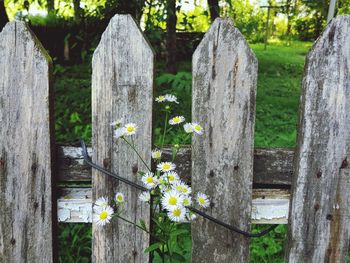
(120,198)
(176,212)
(201,200)
(171,178)
(179,188)
(156,154)
(172,200)
(161,98)
(186,202)
(149,180)
(166,166)
(198,128)
(184,190)
(176,120)
(130,129)
(103,215)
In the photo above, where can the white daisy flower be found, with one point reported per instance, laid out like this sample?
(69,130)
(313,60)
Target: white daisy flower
(176,120)
(102,202)
(161,99)
(149,180)
(171,177)
(103,216)
(117,123)
(156,154)
(187,201)
(130,129)
(177,214)
(166,167)
(145,197)
(202,200)
(171,98)
(120,132)
(182,188)
(197,128)
(119,198)
(172,199)
(188,128)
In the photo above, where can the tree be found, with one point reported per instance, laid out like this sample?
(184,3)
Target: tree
(50,6)
(3,15)
(214,9)
(171,21)
(77,10)
(132,7)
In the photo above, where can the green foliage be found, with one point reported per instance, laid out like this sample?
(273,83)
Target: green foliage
(248,19)
(179,85)
(74,244)
(72,89)
(270,248)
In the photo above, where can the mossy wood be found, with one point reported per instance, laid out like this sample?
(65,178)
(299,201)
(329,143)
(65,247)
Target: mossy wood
(224,91)
(320,206)
(122,87)
(27,208)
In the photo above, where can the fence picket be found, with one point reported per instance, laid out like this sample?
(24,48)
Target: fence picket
(224,88)
(26,203)
(122,87)
(319,212)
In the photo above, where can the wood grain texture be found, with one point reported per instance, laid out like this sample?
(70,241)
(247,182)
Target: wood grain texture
(272,167)
(269,206)
(319,212)
(224,88)
(122,87)
(25,148)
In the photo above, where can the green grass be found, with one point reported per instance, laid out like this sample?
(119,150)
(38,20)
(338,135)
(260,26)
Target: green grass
(279,81)
(277,102)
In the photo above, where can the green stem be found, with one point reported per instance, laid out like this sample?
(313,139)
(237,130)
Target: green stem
(130,222)
(135,150)
(170,256)
(165,127)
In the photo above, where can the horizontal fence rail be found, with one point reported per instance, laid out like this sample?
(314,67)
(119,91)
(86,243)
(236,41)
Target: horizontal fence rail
(270,206)
(272,167)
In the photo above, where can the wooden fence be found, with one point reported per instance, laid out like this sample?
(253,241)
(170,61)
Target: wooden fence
(245,185)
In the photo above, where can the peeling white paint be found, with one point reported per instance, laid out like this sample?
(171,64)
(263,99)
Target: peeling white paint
(268,206)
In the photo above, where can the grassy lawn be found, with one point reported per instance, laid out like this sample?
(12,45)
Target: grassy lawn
(280,73)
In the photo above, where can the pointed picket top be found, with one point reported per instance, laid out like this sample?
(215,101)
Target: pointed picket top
(26,218)
(319,212)
(224,88)
(122,88)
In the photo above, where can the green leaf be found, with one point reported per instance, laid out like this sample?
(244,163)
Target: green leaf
(153,247)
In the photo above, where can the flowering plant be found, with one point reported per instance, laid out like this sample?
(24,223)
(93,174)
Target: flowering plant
(169,196)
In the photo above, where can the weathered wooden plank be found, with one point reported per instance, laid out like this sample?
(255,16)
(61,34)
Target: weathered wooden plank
(271,166)
(122,87)
(319,213)
(25,148)
(270,206)
(224,88)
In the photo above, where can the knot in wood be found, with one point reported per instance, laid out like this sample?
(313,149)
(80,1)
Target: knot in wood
(135,168)
(344,164)
(329,217)
(316,207)
(107,163)
(236,167)
(319,174)
(212,174)
(34,167)
(13,241)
